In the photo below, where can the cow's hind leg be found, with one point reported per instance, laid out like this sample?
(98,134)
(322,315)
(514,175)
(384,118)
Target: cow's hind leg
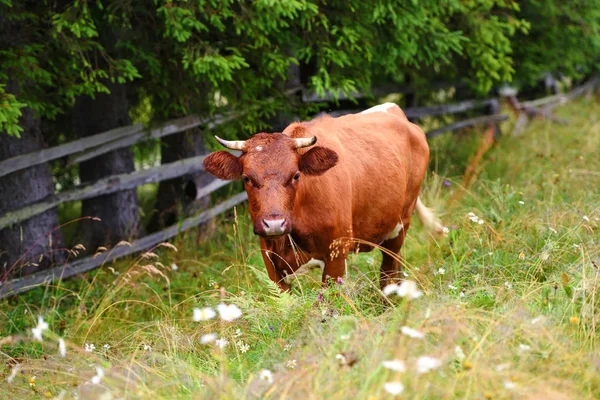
(391,266)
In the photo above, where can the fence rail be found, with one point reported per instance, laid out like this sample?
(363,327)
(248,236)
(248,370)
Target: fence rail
(20,285)
(108,185)
(486,119)
(104,142)
(41,156)
(92,146)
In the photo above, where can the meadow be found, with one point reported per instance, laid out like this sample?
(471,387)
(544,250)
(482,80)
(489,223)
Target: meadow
(509,307)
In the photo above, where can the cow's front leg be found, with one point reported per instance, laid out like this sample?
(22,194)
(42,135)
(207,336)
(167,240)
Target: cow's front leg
(391,264)
(278,257)
(334,268)
(272,269)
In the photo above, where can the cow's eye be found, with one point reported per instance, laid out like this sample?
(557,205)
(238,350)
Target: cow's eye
(246,179)
(297,176)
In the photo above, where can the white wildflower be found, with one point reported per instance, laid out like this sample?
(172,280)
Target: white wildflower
(480,222)
(521,202)
(106,347)
(39,329)
(552,229)
(203,314)
(345,337)
(393,388)
(291,364)
(502,367)
(409,290)
(341,359)
(208,338)
(146,347)
(389,289)
(174,267)
(98,377)
(426,364)
(452,287)
(446,230)
(524,347)
(586,218)
(229,312)
(62,348)
(89,347)
(460,354)
(395,365)
(238,333)
(427,313)
(441,271)
(536,320)
(287,347)
(221,343)
(413,333)
(510,385)
(265,375)
(244,347)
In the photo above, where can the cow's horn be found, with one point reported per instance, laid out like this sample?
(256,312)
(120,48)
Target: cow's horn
(305,142)
(231,144)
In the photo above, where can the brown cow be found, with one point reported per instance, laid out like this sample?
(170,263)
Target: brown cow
(310,204)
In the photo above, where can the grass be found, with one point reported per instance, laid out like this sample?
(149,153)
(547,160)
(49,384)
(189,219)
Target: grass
(510,306)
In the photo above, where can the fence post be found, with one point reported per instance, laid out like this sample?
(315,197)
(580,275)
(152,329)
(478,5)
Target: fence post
(493,108)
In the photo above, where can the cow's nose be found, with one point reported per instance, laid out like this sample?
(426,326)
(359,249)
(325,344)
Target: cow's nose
(275,226)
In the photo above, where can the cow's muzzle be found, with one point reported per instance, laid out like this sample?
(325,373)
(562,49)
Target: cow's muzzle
(273,225)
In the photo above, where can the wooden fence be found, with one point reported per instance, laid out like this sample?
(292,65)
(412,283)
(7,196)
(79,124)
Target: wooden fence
(92,146)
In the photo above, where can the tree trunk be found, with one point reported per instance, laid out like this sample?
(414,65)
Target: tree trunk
(118,212)
(36,243)
(177,197)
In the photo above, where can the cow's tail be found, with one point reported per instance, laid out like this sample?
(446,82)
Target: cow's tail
(429,219)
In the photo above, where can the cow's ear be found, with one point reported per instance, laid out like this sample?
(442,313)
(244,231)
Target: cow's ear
(317,160)
(223,165)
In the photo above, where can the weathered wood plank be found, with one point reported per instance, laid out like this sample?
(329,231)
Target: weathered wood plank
(556,98)
(377,91)
(120,137)
(430,111)
(589,86)
(468,122)
(87,264)
(169,128)
(454,108)
(39,157)
(107,185)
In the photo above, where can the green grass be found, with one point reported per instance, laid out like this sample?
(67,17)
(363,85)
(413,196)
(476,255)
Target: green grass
(513,315)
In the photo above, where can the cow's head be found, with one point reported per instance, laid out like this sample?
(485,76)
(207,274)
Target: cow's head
(272,167)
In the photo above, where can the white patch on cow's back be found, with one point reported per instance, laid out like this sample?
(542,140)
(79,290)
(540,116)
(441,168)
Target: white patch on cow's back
(380,108)
(258,148)
(394,234)
(312,263)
